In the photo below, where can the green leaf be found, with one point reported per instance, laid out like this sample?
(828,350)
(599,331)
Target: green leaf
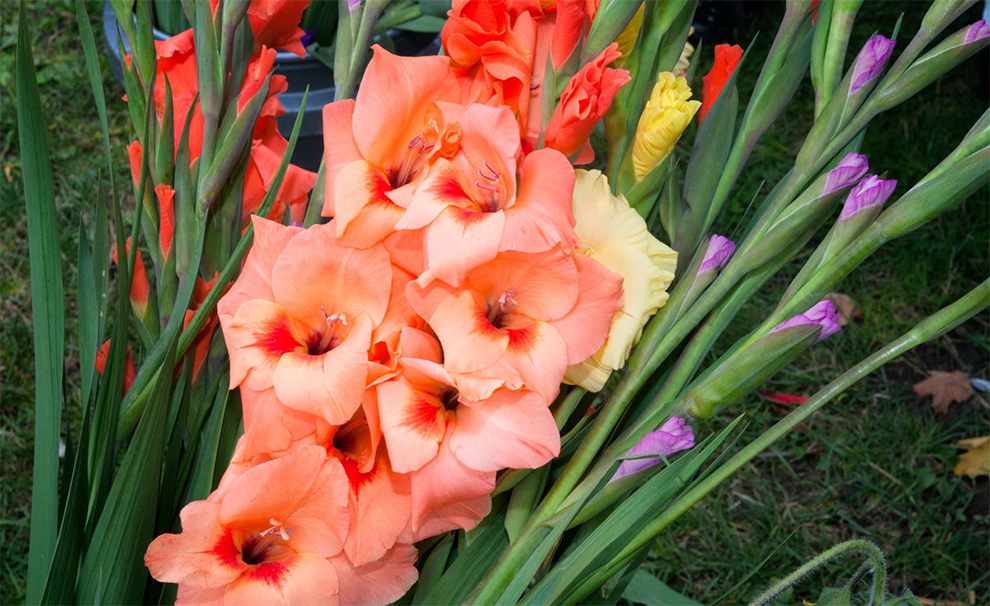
(432,568)
(471,563)
(424,23)
(89,318)
(648,590)
(47,310)
(113,571)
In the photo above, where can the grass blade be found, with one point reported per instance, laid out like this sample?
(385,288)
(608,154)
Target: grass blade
(47,309)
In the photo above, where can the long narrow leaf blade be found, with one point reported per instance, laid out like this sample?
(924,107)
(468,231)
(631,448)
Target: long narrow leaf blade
(48,313)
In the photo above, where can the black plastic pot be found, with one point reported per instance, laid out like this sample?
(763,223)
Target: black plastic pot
(299,73)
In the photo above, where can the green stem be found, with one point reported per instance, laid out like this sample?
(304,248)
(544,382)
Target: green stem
(874,560)
(935,325)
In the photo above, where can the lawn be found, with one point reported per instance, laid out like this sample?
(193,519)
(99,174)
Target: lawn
(876,463)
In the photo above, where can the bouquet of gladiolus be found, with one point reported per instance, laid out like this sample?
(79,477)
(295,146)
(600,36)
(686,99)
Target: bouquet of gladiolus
(453,366)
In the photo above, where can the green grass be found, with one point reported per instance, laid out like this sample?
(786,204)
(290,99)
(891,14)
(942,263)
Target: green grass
(876,463)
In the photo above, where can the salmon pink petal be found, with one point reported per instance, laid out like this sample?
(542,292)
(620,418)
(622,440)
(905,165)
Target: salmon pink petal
(302,578)
(469,340)
(510,429)
(586,327)
(542,216)
(202,556)
(543,286)
(195,596)
(445,482)
(380,582)
(304,490)
(406,249)
(391,103)
(399,315)
(365,214)
(330,384)
(257,336)
(339,146)
(442,187)
(539,354)
(413,422)
(479,385)
(269,427)
(463,514)
(255,279)
(420,345)
(316,277)
(490,134)
(379,504)
(461,239)
(426,293)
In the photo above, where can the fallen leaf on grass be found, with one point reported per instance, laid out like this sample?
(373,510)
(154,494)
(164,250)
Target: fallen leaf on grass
(945,388)
(976,460)
(847,307)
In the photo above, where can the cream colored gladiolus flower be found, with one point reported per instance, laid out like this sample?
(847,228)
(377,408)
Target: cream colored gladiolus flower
(684,61)
(664,118)
(614,234)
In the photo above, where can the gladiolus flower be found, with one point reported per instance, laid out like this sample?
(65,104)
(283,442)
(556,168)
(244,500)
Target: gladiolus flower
(201,342)
(300,317)
(977,31)
(266,537)
(140,287)
(166,214)
(469,207)
(870,61)
(822,313)
(573,18)
(672,437)
(726,60)
(717,254)
(849,170)
(518,320)
(129,370)
(380,582)
(380,144)
(664,118)
(616,236)
(584,101)
(275,24)
(871,191)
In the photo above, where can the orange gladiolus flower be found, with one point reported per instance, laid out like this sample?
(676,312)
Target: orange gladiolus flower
(378,145)
(140,287)
(518,320)
(584,101)
(275,24)
(469,205)
(726,59)
(129,370)
(300,316)
(201,343)
(166,214)
(267,536)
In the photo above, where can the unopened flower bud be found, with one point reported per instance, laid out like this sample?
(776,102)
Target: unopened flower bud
(977,31)
(673,436)
(666,115)
(870,61)
(717,254)
(848,171)
(871,191)
(822,313)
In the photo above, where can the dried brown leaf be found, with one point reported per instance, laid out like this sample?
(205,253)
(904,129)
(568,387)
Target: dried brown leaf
(945,388)
(976,460)
(846,306)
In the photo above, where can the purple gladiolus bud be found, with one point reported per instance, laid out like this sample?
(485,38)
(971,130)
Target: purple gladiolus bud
(353,4)
(977,31)
(673,436)
(869,192)
(870,61)
(822,313)
(848,171)
(307,37)
(717,254)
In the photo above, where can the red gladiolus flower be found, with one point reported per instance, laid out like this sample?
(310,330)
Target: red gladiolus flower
(726,59)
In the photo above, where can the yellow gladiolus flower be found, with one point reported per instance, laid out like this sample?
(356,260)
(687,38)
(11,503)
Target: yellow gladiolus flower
(664,118)
(616,236)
